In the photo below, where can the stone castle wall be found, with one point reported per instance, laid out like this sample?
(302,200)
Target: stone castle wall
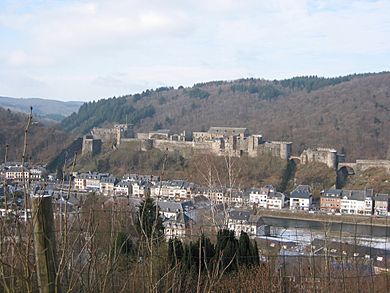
(214,142)
(322,155)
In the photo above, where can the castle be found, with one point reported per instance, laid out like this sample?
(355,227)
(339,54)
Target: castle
(328,156)
(218,141)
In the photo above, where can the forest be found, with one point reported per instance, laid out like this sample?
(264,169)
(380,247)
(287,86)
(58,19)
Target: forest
(349,113)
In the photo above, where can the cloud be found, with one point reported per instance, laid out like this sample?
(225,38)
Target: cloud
(21,58)
(20,85)
(78,47)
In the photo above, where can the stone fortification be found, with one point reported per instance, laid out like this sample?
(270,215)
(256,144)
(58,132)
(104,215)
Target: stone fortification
(218,141)
(323,155)
(363,165)
(91,145)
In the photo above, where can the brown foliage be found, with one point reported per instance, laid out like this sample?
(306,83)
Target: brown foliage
(354,114)
(44,141)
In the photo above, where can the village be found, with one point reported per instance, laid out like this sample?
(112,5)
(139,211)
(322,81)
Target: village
(364,202)
(281,222)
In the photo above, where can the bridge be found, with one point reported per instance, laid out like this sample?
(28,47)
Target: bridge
(363,165)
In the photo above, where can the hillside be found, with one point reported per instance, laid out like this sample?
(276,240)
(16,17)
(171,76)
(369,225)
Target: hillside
(48,109)
(200,169)
(44,141)
(350,113)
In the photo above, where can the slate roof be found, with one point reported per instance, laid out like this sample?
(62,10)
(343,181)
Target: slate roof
(360,195)
(109,179)
(278,195)
(170,206)
(382,197)
(333,193)
(239,215)
(302,191)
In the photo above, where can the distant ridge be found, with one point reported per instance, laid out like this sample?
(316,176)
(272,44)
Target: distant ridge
(43,108)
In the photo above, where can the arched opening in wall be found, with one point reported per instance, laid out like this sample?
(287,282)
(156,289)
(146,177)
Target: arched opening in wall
(296,160)
(342,176)
(348,170)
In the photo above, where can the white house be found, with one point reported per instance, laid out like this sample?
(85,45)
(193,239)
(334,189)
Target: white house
(239,221)
(301,198)
(244,221)
(259,196)
(176,228)
(266,197)
(276,200)
(357,202)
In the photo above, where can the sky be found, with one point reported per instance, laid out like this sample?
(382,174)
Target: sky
(87,50)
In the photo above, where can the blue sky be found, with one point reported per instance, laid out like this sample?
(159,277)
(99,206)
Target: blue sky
(85,50)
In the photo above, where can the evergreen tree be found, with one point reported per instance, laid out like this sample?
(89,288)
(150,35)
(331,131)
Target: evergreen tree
(175,252)
(244,249)
(226,250)
(148,222)
(255,259)
(123,244)
(60,174)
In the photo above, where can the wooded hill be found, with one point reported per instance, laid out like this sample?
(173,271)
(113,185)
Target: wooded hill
(44,141)
(350,113)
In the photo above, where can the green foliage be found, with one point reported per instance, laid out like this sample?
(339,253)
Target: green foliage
(197,93)
(311,83)
(264,92)
(148,222)
(248,253)
(226,250)
(93,114)
(162,100)
(59,174)
(123,244)
(227,255)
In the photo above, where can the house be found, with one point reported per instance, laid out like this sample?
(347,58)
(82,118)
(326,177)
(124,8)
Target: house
(174,189)
(170,209)
(107,185)
(245,221)
(301,198)
(89,181)
(239,221)
(266,197)
(215,195)
(357,202)
(37,173)
(175,220)
(141,188)
(122,188)
(276,200)
(17,173)
(381,204)
(330,201)
(176,227)
(259,196)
